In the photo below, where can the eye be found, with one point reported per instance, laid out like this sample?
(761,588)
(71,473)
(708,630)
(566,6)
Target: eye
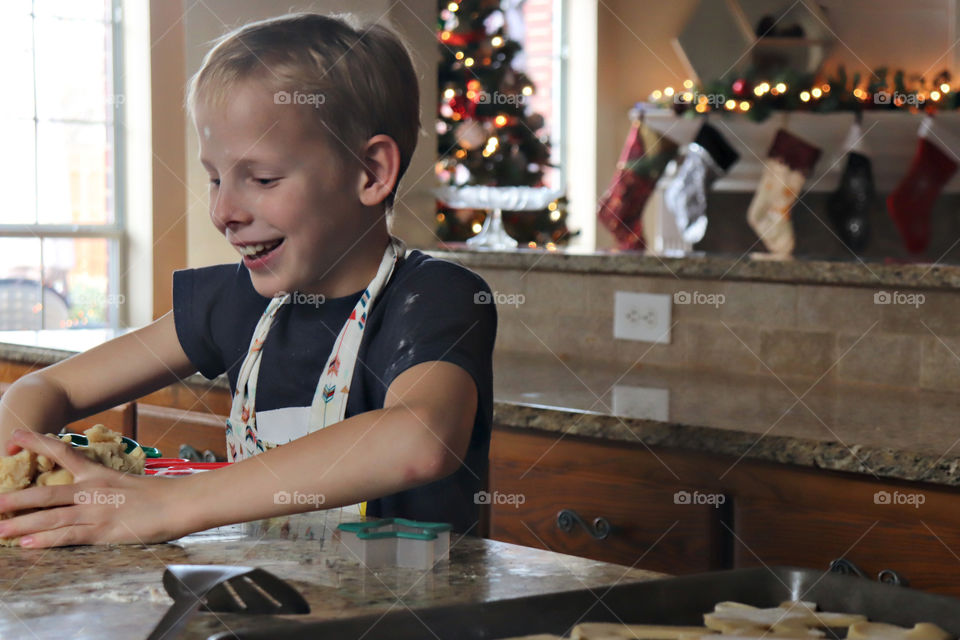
(266,182)
(215,182)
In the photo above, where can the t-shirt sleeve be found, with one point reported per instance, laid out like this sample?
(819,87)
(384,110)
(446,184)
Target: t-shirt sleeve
(443,312)
(196,292)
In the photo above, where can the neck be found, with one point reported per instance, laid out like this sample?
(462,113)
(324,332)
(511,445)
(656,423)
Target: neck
(355,270)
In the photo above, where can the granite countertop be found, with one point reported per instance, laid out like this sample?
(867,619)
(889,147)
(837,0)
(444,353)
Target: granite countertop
(869,429)
(873,430)
(116,592)
(761,267)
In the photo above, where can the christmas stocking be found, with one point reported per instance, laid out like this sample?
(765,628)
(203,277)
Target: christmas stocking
(788,166)
(850,205)
(707,158)
(933,165)
(644,156)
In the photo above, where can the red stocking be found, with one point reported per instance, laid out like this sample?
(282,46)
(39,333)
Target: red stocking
(642,161)
(910,203)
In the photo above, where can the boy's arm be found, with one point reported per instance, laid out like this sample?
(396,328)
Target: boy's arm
(420,435)
(115,372)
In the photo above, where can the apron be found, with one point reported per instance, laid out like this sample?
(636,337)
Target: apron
(330,399)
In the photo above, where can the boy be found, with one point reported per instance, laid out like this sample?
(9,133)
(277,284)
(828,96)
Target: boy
(374,367)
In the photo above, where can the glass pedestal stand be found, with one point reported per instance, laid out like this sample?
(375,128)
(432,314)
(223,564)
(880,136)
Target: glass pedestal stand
(492,235)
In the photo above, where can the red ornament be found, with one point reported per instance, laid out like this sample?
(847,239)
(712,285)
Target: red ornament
(462,106)
(740,87)
(454,38)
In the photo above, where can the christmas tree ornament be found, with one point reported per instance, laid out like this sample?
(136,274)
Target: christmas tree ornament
(850,205)
(707,158)
(642,160)
(470,135)
(789,163)
(463,107)
(934,163)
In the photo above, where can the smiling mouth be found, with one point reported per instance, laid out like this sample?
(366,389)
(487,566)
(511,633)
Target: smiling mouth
(259,250)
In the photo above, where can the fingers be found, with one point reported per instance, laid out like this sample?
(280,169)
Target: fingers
(62,537)
(40,498)
(53,448)
(38,521)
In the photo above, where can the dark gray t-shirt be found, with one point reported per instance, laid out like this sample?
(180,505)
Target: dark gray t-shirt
(429,311)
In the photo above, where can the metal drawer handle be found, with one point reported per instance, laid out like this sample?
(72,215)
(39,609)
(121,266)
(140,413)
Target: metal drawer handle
(847,568)
(599,530)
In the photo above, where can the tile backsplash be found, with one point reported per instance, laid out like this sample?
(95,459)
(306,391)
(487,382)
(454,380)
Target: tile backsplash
(906,338)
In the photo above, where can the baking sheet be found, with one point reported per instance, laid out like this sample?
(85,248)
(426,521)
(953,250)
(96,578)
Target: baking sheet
(682,601)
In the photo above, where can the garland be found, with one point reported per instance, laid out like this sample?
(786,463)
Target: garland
(758,97)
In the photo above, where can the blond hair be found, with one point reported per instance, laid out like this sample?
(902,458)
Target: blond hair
(364,77)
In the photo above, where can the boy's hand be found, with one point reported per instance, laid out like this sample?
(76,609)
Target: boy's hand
(102,506)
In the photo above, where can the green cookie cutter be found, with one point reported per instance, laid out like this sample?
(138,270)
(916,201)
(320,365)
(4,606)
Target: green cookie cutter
(391,528)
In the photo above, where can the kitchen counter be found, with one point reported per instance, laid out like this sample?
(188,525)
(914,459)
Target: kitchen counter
(116,592)
(870,429)
(759,267)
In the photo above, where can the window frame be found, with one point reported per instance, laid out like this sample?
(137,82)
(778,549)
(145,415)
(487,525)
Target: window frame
(115,232)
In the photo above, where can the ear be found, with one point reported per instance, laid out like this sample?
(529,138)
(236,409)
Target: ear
(381,165)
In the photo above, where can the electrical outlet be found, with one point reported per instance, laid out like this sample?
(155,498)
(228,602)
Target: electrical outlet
(641,316)
(641,402)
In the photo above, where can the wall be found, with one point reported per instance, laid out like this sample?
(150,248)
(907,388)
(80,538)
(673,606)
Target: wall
(414,20)
(636,56)
(803,331)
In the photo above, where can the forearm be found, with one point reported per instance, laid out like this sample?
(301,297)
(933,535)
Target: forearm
(367,456)
(33,403)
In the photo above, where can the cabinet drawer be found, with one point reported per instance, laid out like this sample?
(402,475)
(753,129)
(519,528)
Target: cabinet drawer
(651,526)
(167,428)
(121,419)
(921,549)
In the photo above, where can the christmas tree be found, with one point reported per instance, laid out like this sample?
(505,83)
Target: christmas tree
(486,133)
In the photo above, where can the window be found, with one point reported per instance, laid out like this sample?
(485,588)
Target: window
(543,48)
(61,226)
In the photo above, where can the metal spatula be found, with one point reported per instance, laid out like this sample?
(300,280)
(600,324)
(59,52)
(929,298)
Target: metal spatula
(223,588)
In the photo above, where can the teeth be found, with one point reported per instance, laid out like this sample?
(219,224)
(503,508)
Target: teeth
(253,249)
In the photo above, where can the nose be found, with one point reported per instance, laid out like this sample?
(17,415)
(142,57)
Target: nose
(226,208)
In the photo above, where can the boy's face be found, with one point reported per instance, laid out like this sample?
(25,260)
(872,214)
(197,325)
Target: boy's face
(277,192)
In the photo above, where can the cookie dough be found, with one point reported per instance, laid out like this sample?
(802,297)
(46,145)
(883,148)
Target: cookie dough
(797,620)
(616,631)
(27,469)
(879,630)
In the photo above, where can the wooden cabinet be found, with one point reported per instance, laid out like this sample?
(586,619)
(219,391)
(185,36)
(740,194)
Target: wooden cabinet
(772,514)
(167,428)
(653,521)
(807,518)
(181,413)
